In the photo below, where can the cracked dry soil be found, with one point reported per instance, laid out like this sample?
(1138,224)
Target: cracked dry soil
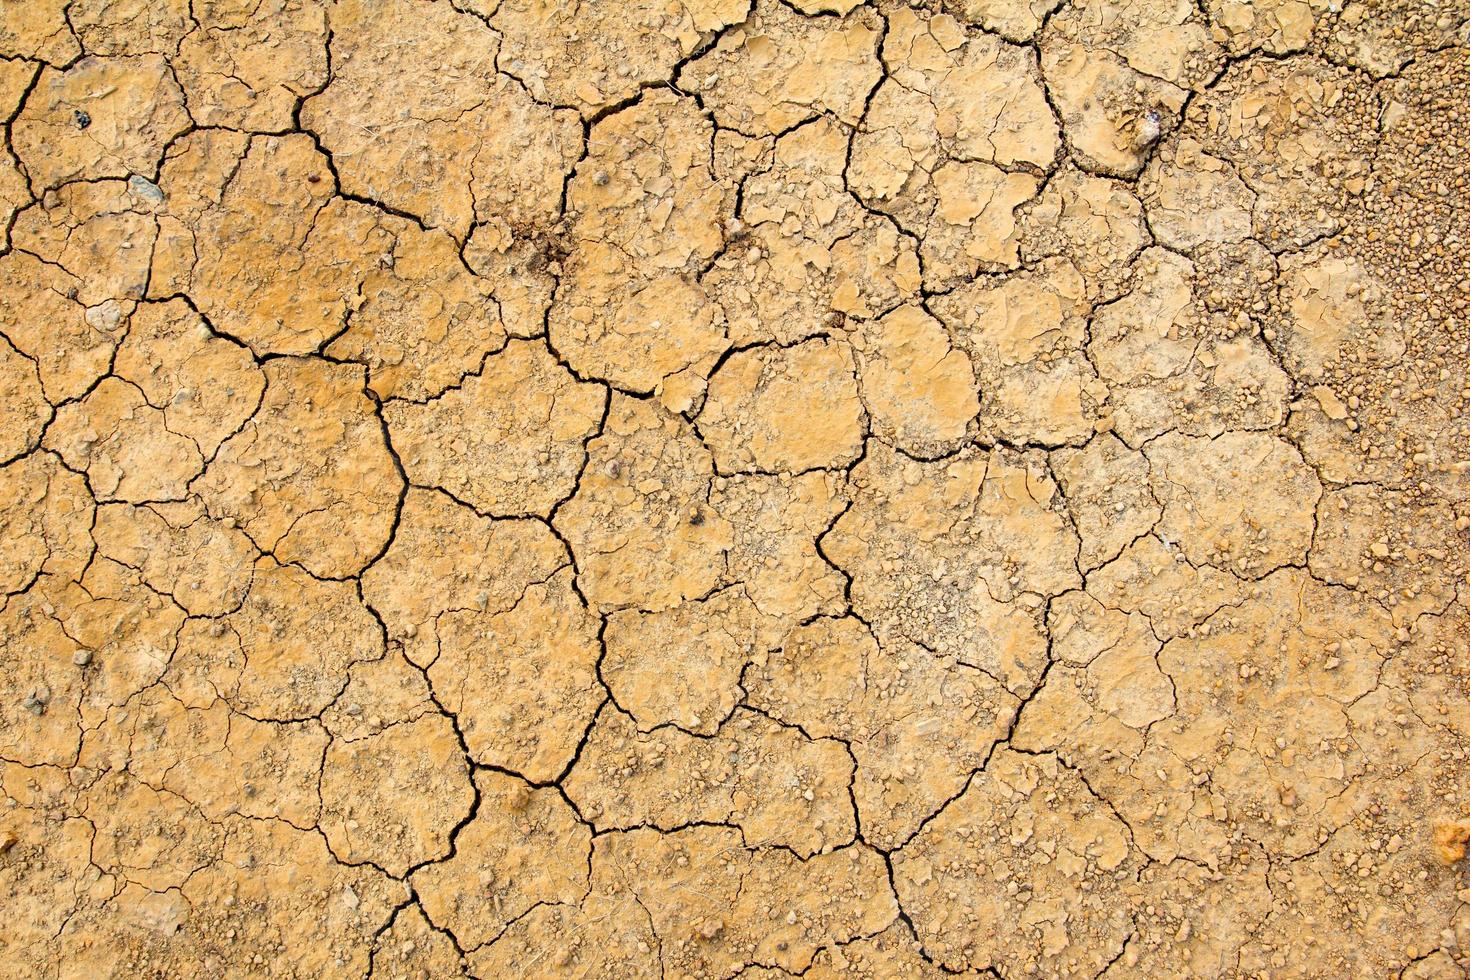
(735,488)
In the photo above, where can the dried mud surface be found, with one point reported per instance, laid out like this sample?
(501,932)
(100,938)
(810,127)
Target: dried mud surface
(720,489)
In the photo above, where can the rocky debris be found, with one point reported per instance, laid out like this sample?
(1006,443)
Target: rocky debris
(1156,38)
(1202,373)
(1095,223)
(1419,915)
(1383,39)
(1363,541)
(1450,837)
(1174,928)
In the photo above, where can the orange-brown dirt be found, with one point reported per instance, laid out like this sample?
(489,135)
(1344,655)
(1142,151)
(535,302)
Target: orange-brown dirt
(735,488)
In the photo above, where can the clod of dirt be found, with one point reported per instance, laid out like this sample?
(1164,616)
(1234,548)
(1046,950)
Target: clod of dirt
(1450,838)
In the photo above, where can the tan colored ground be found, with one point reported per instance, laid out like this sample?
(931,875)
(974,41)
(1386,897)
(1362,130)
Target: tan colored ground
(735,488)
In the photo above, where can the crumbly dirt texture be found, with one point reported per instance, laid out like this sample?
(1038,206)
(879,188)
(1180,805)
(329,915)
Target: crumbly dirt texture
(713,489)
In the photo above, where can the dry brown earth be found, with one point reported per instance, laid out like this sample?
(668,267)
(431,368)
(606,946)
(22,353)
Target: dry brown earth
(717,489)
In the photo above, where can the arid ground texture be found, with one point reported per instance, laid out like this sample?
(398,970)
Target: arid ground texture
(707,489)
